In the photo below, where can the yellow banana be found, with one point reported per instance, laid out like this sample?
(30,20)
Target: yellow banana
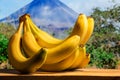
(60,52)
(43,38)
(79,59)
(29,43)
(57,53)
(62,65)
(89,30)
(16,58)
(82,54)
(85,61)
(80,28)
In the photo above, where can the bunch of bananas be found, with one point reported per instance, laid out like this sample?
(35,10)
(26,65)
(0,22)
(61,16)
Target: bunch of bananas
(31,48)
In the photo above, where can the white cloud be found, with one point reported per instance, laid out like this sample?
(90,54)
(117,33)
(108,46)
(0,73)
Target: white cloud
(46,11)
(86,6)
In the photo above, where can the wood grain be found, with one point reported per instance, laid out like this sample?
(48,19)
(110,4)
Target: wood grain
(80,74)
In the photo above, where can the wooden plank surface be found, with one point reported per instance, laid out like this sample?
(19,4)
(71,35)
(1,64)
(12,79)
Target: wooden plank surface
(81,74)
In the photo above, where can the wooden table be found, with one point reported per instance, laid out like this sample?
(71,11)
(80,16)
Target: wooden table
(81,74)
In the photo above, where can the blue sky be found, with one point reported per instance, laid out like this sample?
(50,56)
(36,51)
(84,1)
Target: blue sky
(81,6)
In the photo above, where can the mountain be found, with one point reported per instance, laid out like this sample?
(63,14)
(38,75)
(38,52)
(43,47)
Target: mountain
(49,15)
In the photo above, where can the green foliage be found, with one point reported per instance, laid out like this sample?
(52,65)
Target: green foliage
(6,30)
(3,48)
(105,52)
(101,59)
(105,21)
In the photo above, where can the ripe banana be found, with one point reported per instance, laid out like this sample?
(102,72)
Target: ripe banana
(29,44)
(43,38)
(57,53)
(79,59)
(62,51)
(89,30)
(80,28)
(85,61)
(62,65)
(16,58)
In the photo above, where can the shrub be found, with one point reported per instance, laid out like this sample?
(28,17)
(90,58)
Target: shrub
(3,48)
(100,58)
